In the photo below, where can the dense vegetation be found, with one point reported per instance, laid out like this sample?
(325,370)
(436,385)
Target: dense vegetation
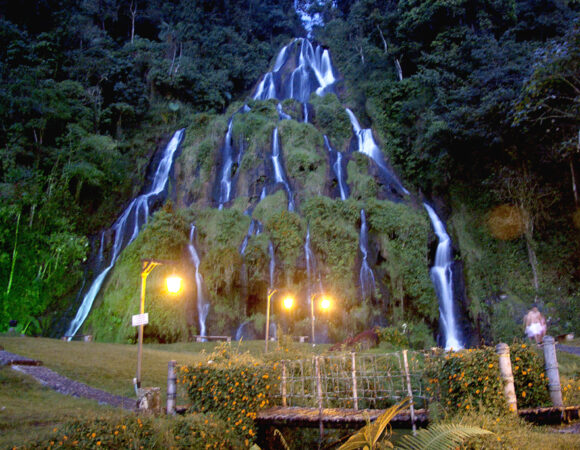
(87,89)
(475,103)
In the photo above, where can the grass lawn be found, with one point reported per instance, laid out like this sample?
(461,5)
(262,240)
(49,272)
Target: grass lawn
(29,411)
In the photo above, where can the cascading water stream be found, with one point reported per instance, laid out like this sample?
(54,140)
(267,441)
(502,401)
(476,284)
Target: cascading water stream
(272,264)
(368,146)
(251,231)
(442,277)
(336,156)
(226,176)
(279,174)
(123,226)
(202,304)
(366,276)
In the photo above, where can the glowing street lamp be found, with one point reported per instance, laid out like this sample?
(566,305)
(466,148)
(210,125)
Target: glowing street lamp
(325,305)
(174,284)
(288,303)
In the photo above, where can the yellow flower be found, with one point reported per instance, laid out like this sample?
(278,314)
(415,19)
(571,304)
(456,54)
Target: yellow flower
(523,393)
(523,345)
(529,384)
(490,365)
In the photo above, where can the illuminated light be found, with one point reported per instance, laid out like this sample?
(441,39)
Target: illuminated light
(288,302)
(174,284)
(325,303)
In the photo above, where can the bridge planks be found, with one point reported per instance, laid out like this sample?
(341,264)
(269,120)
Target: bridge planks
(332,417)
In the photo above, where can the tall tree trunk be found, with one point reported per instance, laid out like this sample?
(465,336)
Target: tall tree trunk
(534,264)
(14,255)
(133,10)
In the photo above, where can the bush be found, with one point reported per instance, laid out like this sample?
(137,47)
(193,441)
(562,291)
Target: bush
(193,431)
(231,387)
(466,380)
(529,380)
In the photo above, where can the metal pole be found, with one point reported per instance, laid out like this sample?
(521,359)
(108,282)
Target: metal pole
(312,317)
(270,293)
(144,274)
(171,387)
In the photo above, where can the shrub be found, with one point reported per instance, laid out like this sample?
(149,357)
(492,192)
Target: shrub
(529,380)
(466,380)
(231,387)
(193,431)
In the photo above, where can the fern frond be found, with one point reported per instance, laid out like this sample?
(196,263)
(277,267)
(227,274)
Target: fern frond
(440,437)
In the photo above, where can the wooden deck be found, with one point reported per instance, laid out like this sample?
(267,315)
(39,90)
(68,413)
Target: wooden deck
(333,417)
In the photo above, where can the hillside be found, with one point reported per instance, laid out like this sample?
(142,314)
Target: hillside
(471,108)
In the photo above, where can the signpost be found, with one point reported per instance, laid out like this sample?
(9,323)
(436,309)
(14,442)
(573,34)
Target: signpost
(140,319)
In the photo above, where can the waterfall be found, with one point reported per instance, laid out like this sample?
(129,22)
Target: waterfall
(314,73)
(366,276)
(251,230)
(272,263)
(123,226)
(442,278)
(281,114)
(279,175)
(309,264)
(100,255)
(337,169)
(202,304)
(368,146)
(226,177)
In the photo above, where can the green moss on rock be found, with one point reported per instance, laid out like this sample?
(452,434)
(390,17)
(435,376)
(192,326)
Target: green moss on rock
(331,119)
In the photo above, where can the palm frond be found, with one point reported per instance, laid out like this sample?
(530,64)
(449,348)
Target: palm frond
(368,436)
(440,437)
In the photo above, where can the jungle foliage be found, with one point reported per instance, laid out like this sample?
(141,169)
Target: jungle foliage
(474,102)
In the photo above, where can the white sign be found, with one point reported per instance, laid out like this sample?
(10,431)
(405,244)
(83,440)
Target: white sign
(140,319)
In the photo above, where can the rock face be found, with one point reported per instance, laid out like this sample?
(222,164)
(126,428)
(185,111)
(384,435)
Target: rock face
(280,189)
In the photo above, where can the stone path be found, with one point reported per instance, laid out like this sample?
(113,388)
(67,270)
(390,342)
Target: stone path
(63,384)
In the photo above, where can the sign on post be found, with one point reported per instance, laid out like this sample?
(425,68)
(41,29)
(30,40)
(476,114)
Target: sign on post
(140,319)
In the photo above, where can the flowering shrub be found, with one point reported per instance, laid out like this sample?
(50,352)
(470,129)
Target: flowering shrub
(133,432)
(465,380)
(471,378)
(570,391)
(231,388)
(530,382)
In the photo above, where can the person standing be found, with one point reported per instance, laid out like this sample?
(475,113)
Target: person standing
(535,325)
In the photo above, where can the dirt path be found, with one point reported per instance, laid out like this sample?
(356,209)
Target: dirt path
(568,349)
(63,384)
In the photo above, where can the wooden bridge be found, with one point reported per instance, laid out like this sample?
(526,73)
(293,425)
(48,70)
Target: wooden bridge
(347,390)
(297,416)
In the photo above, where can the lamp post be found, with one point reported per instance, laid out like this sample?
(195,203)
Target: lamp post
(325,304)
(288,303)
(270,293)
(173,286)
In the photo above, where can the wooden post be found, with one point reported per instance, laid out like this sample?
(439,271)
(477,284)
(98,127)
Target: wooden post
(354,386)
(284,402)
(551,364)
(319,396)
(409,391)
(505,369)
(171,388)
